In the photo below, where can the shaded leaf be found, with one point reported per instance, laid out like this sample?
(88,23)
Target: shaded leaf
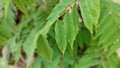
(43,48)
(60,36)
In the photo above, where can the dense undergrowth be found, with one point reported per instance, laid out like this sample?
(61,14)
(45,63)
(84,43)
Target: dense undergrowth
(59,33)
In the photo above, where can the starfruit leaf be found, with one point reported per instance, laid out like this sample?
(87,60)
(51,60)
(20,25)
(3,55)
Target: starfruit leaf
(15,48)
(55,14)
(44,49)
(79,39)
(75,18)
(114,48)
(29,46)
(86,35)
(105,64)
(2,40)
(21,6)
(37,63)
(90,10)
(7,4)
(70,28)
(5,32)
(60,36)
(55,63)
(29,3)
(89,60)
(88,64)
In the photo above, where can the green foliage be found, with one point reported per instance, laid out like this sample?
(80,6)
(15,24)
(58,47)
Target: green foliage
(43,48)
(90,10)
(60,36)
(60,33)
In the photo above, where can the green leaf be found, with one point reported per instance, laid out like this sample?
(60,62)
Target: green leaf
(21,6)
(71,22)
(55,63)
(15,49)
(37,63)
(105,64)
(86,35)
(44,49)
(87,64)
(90,56)
(2,40)
(60,36)
(70,28)
(108,30)
(90,59)
(5,32)
(55,14)
(105,39)
(7,4)
(28,3)
(90,10)
(29,46)
(114,48)
(111,62)
(75,17)
(79,39)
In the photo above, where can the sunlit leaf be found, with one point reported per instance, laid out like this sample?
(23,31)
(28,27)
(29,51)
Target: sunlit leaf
(90,10)
(55,14)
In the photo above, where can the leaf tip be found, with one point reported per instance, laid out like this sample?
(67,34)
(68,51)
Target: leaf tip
(71,47)
(63,52)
